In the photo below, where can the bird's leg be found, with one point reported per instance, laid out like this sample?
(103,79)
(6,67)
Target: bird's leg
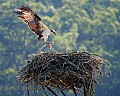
(48,44)
(37,40)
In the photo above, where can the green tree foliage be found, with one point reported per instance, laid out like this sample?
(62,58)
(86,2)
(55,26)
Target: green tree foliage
(85,25)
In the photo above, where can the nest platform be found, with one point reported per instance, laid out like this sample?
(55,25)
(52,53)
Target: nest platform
(77,71)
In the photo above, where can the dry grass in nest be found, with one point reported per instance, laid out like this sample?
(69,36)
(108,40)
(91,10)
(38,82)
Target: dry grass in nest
(78,71)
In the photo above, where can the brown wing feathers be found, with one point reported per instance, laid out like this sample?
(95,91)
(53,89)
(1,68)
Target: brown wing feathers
(29,17)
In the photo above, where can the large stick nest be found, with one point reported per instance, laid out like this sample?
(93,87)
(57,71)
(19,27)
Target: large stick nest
(69,70)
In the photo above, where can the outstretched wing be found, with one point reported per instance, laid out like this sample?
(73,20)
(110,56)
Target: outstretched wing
(33,21)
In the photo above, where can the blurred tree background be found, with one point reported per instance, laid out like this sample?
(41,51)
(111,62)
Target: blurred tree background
(81,25)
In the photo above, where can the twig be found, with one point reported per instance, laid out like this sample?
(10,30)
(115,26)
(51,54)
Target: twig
(28,90)
(44,90)
(74,90)
(51,90)
(42,47)
(35,91)
(61,91)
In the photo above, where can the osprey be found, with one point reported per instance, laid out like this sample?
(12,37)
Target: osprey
(35,24)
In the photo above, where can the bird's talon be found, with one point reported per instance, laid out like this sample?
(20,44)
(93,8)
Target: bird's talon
(49,44)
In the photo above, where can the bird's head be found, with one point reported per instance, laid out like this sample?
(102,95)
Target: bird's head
(53,31)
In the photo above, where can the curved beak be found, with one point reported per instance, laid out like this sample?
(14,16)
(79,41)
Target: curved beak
(54,32)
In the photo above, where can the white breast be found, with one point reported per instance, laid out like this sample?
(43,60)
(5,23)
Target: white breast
(45,34)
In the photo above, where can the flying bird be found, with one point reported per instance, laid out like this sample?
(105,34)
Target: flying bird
(35,24)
